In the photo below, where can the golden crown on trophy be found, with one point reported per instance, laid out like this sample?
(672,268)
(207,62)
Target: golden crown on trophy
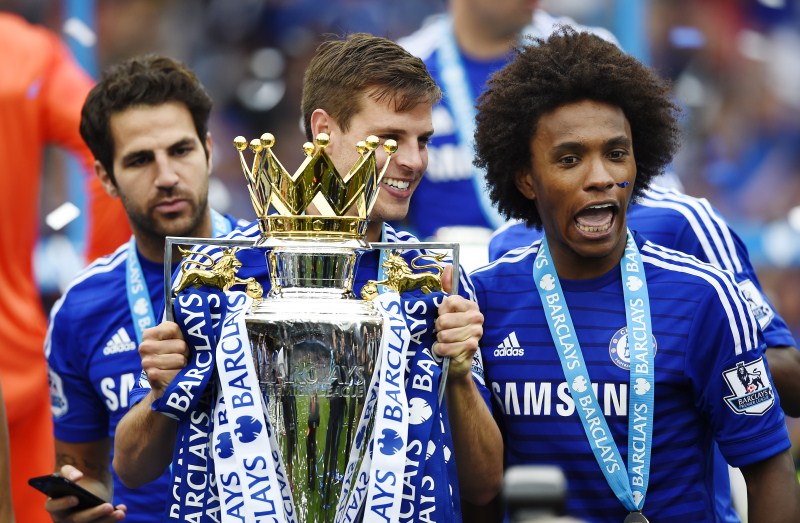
(342,202)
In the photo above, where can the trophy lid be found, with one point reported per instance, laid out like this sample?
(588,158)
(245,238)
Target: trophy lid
(343,203)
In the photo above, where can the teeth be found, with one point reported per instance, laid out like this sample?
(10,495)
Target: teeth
(594,229)
(600,206)
(397,184)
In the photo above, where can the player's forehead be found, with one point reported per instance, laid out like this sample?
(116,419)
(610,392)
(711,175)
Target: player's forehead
(151,127)
(381,117)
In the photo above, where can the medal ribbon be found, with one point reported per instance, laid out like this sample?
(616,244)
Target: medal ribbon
(139,301)
(630,487)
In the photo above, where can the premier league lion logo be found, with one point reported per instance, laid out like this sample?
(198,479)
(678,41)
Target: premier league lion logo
(752,392)
(751,381)
(247,428)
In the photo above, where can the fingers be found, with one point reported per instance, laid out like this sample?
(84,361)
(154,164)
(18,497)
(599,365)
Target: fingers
(459,328)
(447,279)
(63,510)
(166,330)
(70,472)
(164,353)
(450,310)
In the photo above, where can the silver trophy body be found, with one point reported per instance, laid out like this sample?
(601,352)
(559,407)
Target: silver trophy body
(314,348)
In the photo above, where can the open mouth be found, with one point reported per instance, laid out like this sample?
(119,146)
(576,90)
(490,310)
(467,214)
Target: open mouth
(596,218)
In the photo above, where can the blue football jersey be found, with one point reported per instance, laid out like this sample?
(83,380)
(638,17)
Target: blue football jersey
(448,193)
(254,265)
(93,361)
(712,384)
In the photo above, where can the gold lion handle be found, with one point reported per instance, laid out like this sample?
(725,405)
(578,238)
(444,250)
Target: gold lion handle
(220,274)
(400,278)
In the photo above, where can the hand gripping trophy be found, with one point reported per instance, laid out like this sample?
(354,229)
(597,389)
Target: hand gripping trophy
(307,406)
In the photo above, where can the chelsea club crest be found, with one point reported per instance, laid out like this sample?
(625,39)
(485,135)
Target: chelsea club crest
(619,351)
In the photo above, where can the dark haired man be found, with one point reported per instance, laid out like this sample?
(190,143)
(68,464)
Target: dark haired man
(146,124)
(625,373)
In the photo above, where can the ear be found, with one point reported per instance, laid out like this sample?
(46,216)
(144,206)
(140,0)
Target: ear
(524,182)
(322,122)
(105,179)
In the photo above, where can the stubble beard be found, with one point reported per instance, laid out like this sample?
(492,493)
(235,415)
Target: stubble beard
(157,230)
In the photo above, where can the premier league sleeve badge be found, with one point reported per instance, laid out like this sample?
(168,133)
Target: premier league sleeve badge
(752,391)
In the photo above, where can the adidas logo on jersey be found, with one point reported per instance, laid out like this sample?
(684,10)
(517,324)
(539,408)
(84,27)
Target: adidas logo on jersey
(509,347)
(121,342)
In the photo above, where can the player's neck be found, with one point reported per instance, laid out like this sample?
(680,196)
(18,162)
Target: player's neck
(475,40)
(571,265)
(374,231)
(151,245)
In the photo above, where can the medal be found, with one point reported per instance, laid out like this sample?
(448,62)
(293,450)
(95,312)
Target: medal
(636,517)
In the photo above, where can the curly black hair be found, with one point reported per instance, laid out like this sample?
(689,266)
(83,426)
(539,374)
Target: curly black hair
(566,68)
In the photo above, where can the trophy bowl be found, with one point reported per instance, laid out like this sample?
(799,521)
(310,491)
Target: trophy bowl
(314,348)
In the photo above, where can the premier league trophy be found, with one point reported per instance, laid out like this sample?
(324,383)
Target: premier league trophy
(315,345)
(313,342)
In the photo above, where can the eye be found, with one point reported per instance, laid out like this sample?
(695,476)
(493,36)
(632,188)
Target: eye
(137,160)
(182,150)
(569,160)
(385,137)
(618,154)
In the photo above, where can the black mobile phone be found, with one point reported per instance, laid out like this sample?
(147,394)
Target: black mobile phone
(57,486)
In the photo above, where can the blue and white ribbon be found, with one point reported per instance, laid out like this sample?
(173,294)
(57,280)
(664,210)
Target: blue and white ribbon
(193,496)
(226,464)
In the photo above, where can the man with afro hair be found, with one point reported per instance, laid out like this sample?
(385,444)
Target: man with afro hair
(604,353)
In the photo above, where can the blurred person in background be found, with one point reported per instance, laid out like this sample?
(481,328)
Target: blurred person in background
(41,93)
(461,49)
(146,122)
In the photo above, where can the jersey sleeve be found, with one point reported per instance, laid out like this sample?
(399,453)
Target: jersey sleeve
(731,378)
(478,371)
(708,237)
(140,390)
(776,332)
(79,415)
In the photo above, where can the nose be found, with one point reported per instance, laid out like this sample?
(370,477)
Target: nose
(166,175)
(411,157)
(599,176)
